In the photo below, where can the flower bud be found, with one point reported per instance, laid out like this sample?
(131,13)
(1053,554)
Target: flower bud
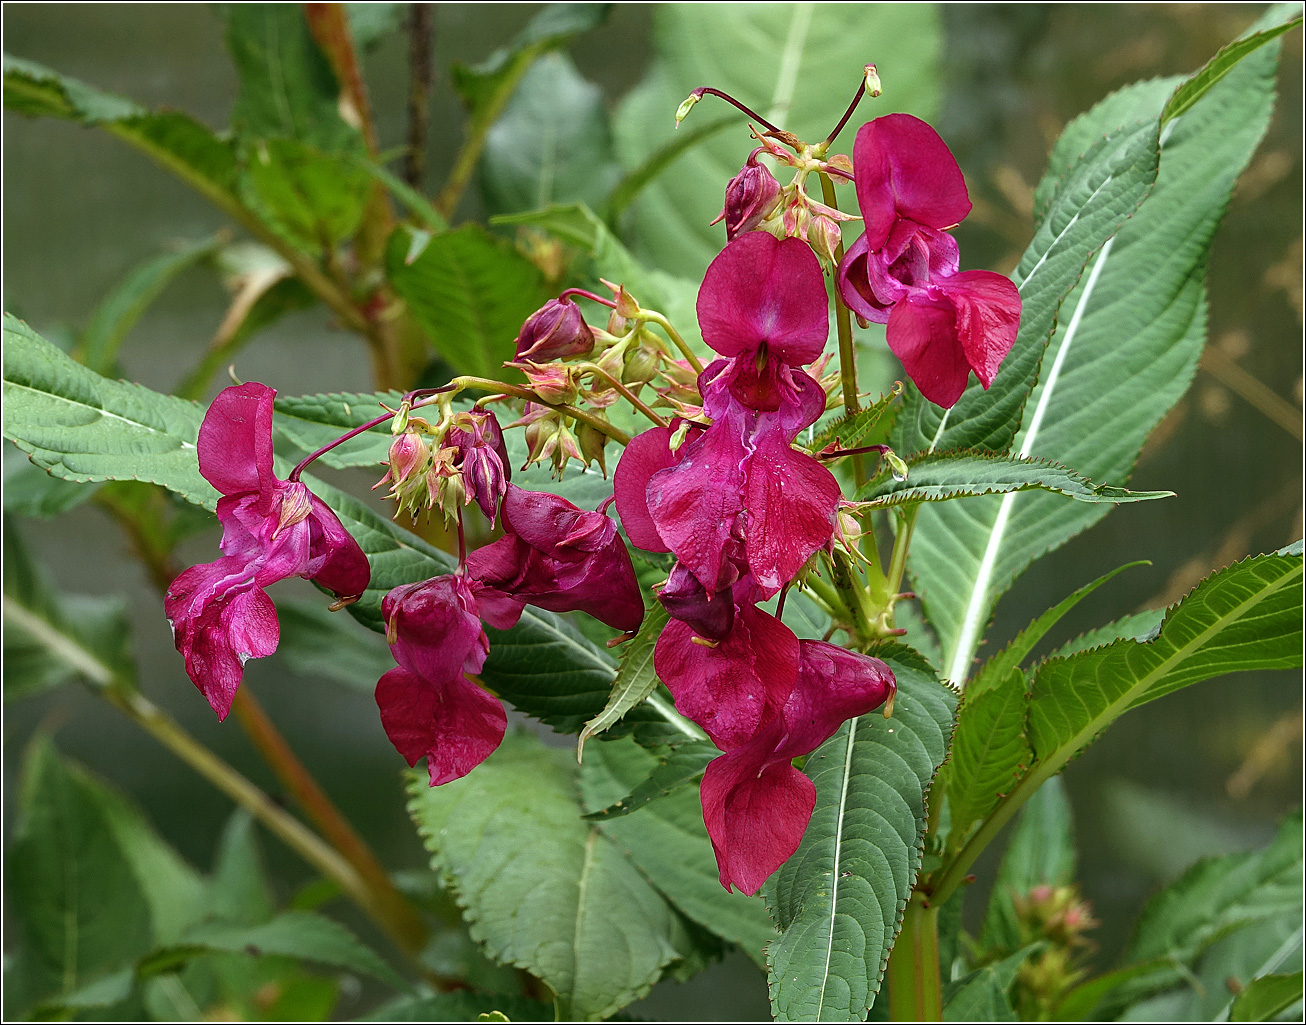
(591,441)
(409,457)
(552,382)
(751,196)
(555,331)
(825,238)
(641,366)
(483,459)
(444,484)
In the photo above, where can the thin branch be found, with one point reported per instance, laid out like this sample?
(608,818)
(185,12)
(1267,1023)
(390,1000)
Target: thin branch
(421,27)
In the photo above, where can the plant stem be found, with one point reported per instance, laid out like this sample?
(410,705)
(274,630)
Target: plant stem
(674,335)
(847,350)
(915,985)
(615,433)
(403,923)
(630,396)
(709,91)
(420,27)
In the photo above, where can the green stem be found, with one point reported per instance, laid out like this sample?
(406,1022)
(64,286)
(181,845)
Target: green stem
(484,383)
(630,396)
(830,597)
(483,120)
(675,337)
(844,325)
(915,984)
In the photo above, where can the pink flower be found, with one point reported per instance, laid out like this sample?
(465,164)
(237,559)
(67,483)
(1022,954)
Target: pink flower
(751,196)
(271,529)
(756,805)
(429,708)
(556,557)
(483,459)
(903,271)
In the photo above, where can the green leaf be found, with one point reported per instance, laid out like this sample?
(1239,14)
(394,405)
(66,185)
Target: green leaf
(426,215)
(317,643)
(1041,852)
(78,906)
(1267,997)
(82,427)
(839,899)
(1099,192)
(369,23)
(997,668)
(176,141)
(313,199)
(469,291)
(1247,616)
(677,764)
(461,1006)
(989,753)
(668,843)
(636,678)
(486,86)
(287,87)
(943,475)
(551,144)
(540,888)
(1219,894)
(1127,343)
(117,313)
(31,491)
(297,934)
(1224,62)
(51,638)
(239,891)
(1141,626)
(796,64)
(982,995)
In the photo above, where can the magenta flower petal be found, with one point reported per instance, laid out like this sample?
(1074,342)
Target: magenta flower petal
(988,317)
(434,628)
(834,685)
(454,725)
(646,454)
(922,332)
(732,689)
(756,812)
(336,560)
(550,524)
(903,169)
(697,506)
(764,290)
(685,599)
(235,440)
(223,635)
(791,501)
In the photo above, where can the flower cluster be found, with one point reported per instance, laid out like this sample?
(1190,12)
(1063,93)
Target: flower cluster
(271,529)
(743,511)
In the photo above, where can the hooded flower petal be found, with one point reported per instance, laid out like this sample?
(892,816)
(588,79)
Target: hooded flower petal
(235,440)
(904,170)
(761,290)
(833,686)
(453,724)
(734,688)
(336,562)
(434,628)
(756,813)
(922,332)
(685,599)
(557,557)
(988,317)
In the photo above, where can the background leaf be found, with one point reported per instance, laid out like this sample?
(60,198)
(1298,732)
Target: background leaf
(469,291)
(542,889)
(794,63)
(839,899)
(551,144)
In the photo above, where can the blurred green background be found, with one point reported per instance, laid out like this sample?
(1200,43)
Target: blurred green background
(1207,770)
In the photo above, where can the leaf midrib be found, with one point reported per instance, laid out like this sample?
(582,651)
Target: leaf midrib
(101,411)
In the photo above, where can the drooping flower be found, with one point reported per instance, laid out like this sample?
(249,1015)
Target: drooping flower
(942,323)
(556,557)
(428,706)
(756,805)
(271,529)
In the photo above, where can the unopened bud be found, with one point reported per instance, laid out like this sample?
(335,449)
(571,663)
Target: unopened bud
(896,466)
(641,366)
(552,382)
(626,307)
(873,87)
(751,197)
(825,238)
(555,331)
(683,110)
(591,441)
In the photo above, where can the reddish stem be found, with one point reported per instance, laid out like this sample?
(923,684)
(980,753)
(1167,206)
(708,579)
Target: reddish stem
(708,90)
(609,303)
